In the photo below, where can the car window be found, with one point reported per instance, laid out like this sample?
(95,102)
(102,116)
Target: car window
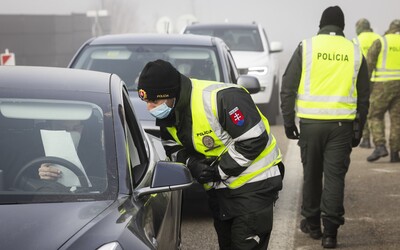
(127,61)
(237,38)
(233,71)
(68,135)
(136,146)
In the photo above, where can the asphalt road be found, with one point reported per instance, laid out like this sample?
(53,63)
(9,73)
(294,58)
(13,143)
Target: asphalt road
(372,203)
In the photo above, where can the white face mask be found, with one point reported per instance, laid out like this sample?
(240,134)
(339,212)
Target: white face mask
(161,111)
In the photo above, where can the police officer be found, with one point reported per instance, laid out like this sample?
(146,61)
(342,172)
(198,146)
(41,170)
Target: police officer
(200,120)
(365,37)
(326,82)
(384,65)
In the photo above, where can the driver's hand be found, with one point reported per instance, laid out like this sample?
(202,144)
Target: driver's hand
(49,172)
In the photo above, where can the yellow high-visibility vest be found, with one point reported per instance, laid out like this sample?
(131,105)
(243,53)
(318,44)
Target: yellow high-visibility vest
(208,133)
(365,41)
(388,64)
(327,89)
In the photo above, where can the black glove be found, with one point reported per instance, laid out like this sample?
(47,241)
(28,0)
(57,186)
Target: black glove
(292,132)
(281,169)
(197,164)
(209,174)
(356,132)
(355,142)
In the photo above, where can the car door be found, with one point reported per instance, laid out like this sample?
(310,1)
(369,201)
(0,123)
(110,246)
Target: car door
(232,70)
(159,215)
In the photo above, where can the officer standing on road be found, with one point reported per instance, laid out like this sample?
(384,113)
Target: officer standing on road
(200,120)
(384,63)
(327,81)
(365,37)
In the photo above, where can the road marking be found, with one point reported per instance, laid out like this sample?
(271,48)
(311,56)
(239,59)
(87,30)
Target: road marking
(385,170)
(367,219)
(287,207)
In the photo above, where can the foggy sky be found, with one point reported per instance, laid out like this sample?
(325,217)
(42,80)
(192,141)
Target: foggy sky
(287,21)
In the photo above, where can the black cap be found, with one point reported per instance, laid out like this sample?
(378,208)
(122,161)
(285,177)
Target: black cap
(332,16)
(158,80)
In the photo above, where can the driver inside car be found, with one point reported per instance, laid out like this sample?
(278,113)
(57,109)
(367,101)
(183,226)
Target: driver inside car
(87,142)
(48,171)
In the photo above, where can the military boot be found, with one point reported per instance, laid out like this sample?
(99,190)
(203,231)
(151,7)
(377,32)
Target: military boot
(380,151)
(365,143)
(394,156)
(329,241)
(313,230)
(329,237)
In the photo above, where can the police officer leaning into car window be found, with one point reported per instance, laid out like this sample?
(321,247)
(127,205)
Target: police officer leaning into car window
(326,84)
(201,120)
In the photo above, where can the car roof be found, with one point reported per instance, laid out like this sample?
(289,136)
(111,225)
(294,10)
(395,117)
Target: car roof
(222,25)
(179,39)
(53,78)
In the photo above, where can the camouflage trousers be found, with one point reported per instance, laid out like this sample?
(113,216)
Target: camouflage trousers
(385,97)
(366,131)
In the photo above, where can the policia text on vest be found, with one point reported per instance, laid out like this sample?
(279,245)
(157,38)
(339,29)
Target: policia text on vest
(332,57)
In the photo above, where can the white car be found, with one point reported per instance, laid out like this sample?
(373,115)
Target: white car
(253,55)
(200,57)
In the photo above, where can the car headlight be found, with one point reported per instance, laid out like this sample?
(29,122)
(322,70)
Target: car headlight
(110,246)
(257,71)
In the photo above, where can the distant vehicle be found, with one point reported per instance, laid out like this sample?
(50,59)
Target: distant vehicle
(253,54)
(201,57)
(114,192)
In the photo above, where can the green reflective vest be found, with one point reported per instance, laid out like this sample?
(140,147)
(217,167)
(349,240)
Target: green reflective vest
(365,40)
(327,89)
(205,120)
(388,64)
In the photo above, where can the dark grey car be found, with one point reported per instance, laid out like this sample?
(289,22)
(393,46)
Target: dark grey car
(200,57)
(114,192)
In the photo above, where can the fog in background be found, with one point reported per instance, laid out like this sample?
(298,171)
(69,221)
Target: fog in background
(287,21)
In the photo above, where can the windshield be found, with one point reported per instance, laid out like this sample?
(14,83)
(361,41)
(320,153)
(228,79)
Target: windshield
(127,61)
(66,135)
(237,38)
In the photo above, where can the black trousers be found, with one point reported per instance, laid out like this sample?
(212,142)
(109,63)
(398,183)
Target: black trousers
(325,154)
(245,232)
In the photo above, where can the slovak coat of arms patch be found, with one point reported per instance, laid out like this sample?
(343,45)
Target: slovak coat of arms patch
(236,116)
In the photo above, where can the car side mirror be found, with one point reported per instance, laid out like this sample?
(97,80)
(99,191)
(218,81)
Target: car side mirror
(276,47)
(250,83)
(167,176)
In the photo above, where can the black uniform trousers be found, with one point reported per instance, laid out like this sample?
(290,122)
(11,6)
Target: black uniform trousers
(245,232)
(325,154)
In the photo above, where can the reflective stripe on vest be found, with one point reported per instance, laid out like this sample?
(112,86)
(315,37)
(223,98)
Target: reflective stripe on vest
(327,89)
(210,139)
(388,64)
(365,41)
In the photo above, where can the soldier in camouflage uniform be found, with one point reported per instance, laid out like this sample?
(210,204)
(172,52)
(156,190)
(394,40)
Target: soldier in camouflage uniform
(384,67)
(365,38)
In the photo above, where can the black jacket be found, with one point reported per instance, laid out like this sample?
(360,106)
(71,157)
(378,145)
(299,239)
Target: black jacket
(225,203)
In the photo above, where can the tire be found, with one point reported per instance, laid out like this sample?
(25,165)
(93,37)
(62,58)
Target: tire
(271,109)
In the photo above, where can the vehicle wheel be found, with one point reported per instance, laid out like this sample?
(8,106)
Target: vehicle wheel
(271,109)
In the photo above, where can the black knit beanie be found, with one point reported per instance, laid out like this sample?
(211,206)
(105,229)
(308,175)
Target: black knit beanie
(158,80)
(332,16)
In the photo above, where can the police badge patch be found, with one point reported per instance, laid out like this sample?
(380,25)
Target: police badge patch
(142,94)
(208,141)
(236,116)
